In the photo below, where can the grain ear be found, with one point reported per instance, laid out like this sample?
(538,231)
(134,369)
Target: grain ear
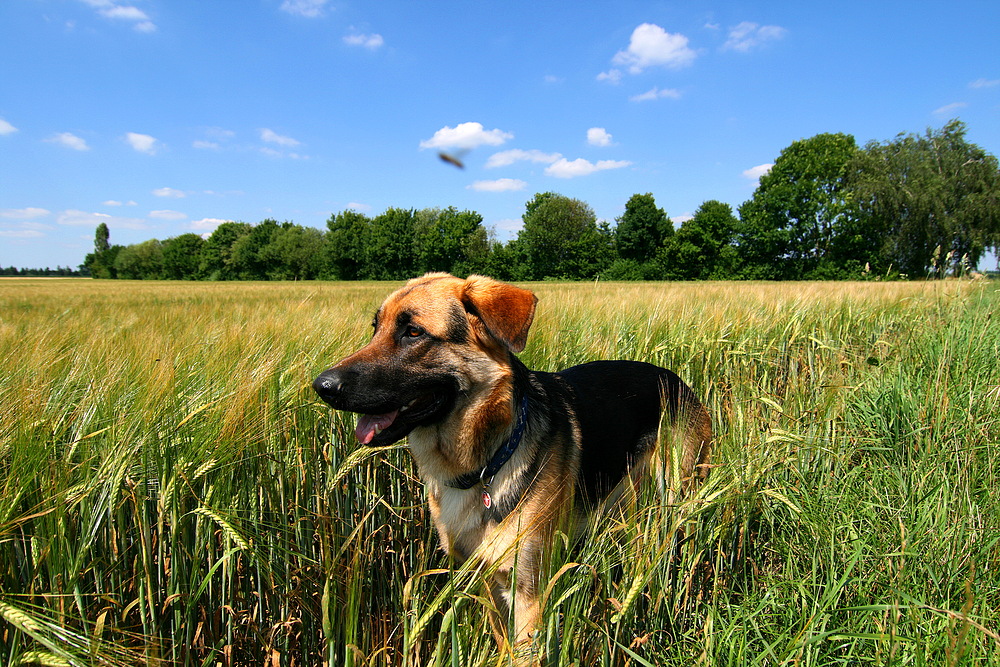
(506,311)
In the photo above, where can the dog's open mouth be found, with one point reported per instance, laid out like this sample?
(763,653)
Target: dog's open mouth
(394,425)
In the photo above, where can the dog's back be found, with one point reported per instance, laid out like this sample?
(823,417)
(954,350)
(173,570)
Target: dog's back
(618,407)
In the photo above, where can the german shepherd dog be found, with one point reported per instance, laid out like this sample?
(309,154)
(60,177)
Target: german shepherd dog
(506,453)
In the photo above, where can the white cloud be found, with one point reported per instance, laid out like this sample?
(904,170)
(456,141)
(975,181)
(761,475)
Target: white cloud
(169,192)
(207,224)
(656,93)
(598,136)
(355,206)
(466,135)
(6,128)
(948,108)
(613,76)
(69,140)
(499,185)
(142,143)
(125,13)
(308,8)
(372,42)
(507,158)
(111,10)
(205,145)
(77,218)
(115,202)
(755,173)
(564,168)
(652,46)
(20,233)
(978,83)
(167,215)
(748,35)
(272,137)
(23,213)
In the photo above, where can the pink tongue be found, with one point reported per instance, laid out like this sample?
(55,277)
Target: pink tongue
(368,423)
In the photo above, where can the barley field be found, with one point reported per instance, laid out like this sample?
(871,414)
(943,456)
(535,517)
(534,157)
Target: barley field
(172,492)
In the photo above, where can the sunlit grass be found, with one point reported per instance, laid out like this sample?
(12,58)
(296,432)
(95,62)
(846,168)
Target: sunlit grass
(171,492)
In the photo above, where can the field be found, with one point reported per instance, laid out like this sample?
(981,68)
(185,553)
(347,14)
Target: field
(172,493)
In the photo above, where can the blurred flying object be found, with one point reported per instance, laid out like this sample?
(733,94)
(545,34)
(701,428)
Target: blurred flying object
(455,157)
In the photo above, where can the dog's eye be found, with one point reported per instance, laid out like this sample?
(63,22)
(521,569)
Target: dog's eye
(412,332)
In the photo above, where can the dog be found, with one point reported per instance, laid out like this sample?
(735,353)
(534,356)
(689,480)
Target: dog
(506,453)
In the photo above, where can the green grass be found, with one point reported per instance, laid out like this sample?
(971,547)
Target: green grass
(171,492)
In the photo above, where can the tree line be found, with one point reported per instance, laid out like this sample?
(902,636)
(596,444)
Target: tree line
(914,206)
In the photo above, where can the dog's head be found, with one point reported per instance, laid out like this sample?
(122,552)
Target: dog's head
(436,340)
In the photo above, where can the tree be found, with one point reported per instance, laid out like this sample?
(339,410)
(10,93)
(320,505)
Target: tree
(389,249)
(444,238)
(142,261)
(101,262)
(702,249)
(216,254)
(182,257)
(929,201)
(346,241)
(561,239)
(250,257)
(295,253)
(642,229)
(787,228)
(101,239)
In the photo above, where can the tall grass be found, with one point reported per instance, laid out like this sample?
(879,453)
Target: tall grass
(171,492)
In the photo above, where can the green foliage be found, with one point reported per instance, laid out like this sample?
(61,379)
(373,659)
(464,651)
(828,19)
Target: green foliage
(561,239)
(642,229)
(931,202)
(788,226)
(916,206)
(182,257)
(216,257)
(346,242)
(143,261)
(702,249)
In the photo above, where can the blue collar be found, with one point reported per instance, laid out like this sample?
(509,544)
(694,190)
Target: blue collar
(502,455)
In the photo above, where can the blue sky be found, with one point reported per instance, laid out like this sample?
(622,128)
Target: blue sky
(161,118)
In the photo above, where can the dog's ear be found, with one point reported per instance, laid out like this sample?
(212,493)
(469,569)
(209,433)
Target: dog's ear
(506,311)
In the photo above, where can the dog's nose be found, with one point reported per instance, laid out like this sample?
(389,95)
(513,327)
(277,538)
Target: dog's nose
(329,384)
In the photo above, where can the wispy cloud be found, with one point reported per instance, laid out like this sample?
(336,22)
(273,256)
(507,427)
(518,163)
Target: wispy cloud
(371,42)
(747,36)
(142,143)
(29,213)
(127,13)
(79,218)
(167,215)
(6,128)
(309,9)
(755,173)
(656,93)
(169,192)
(68,140)
(984,83)
(507,158)
(650,46)
(272,137)
(949,108)
(499,185)
(563,168)
(466,135)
